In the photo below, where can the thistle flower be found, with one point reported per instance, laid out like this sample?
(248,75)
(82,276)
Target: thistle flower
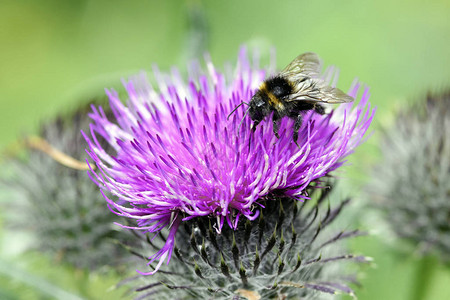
(179,157)
(59,204)
(412,185)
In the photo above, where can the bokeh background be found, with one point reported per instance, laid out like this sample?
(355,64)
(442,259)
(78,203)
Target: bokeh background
(57,54)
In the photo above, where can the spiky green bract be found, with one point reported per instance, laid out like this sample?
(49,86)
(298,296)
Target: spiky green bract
(412,183)
(289,252)
(60,205)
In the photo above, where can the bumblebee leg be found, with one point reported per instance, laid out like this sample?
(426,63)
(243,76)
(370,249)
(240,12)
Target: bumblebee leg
(276,124)
(297,125)
(319,109)
(255,123)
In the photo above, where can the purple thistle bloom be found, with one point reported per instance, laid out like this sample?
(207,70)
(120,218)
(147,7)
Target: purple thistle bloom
(178,157)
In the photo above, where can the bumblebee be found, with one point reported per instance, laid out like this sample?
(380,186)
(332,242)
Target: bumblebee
(296,89)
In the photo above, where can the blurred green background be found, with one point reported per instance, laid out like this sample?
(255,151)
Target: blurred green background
(54,54)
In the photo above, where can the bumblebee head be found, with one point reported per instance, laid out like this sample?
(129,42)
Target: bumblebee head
(259,108)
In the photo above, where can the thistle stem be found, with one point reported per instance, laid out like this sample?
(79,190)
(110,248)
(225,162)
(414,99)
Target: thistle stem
(423,277)
(40,144)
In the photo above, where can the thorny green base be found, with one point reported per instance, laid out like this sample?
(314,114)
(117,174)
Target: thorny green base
(286,253)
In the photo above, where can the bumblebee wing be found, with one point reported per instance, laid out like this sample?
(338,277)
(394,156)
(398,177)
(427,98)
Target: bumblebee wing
(304,74)
(305,65)
(316,90)
(332,95)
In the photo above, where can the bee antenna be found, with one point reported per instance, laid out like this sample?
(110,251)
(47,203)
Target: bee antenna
(240,124)
(239,105)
